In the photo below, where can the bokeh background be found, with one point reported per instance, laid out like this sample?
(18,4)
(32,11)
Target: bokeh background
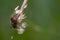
(43,18)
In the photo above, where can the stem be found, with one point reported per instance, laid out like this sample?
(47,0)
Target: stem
(23,5)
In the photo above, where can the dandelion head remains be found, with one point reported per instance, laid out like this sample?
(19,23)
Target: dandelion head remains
(17,17)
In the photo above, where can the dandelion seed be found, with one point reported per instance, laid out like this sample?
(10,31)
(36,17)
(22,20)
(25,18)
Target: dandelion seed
(24,25)
(11,37)
(20,30)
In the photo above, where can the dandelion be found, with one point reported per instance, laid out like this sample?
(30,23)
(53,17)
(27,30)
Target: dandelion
(17,18)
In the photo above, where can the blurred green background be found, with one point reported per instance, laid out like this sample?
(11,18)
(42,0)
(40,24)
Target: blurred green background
(43,18)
